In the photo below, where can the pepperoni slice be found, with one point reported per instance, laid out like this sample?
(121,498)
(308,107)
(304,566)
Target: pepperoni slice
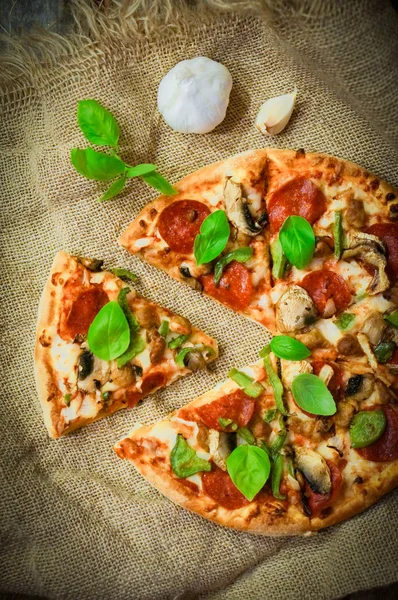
(179,224)
(84,308)
(386,447)
(236,406)
(154,380)
(133,398)
(317,503)
(322,285)
(235,288)
(298,197)
(218,485)
(388,232)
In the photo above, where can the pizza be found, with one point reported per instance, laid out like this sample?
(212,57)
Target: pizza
(207,455)
(136,346)
(352,215)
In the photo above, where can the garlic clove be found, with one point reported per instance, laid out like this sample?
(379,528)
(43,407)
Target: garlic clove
(275,113)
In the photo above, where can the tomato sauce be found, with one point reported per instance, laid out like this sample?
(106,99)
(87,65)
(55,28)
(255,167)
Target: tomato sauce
(219,486)
(300,197)
(236,406)
(235,287)
(388,233)
(83,311)
(179,224)
(317,503)
(385,448)
(322,285)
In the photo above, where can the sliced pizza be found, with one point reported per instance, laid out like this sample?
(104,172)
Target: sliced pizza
(276,455)
(340,241)
(101,347)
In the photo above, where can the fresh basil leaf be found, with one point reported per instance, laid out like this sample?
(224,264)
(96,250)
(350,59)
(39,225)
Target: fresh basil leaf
(184,460)
(250,387)
(280,264)
(212,238)
(384,351)
(392,318)
(289,348)
(159,183)
(98,125)
(178,341)
(137,344)
(270,415)
(276,476)
(246,435)
(227,423)
(115,188)
(273,379)
(311,394)
(123,274)
(241,255)
(109,334)
(249,468)
(338,233)
(345,321)
(297,240)
(96,165)
(140,170)
(164,328)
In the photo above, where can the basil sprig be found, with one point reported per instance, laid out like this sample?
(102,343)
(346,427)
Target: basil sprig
(100,127)
(240,254)
(212,237)
(109,334)
(311,394)
(250,387)
(289,348)
(297,240)
(392,318)
(273,379)
(184,460)
(136,344)
(249,468)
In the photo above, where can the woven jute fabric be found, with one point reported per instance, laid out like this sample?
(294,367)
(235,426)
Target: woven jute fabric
(76,521)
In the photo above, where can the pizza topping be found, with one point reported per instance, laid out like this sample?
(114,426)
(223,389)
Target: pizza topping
(367,350)
(220,447)
(384,351)
(146,315)
(235,288)
(274,380)
(311,394)
(290,370)
(359,387)
(388,233)
(218,485)
(276,476)
(180,325)
(109,334)
(315,470)
(355,214)
(184,460)
(385,448)
(392,318)
(84,308)
(124,274)
(92,264)
(240,255)
(212,237)
(298,241)
(236,406)
(280,264)
(324,246)
(367,427)
(238,210)
(179,224)
(370,250)
(312,339)
(345,321)
(338,234)
(157,346)
(249,386)
(374,327)
(295,310)
(348,345)
(86,364)
(164,328)
(249,468)
(192,357)
(319,504)
(324,285)
(300,197)
(284,346)
(136,343)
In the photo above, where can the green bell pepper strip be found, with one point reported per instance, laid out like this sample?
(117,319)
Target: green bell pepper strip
(274,380)
(164,328)
(137,344)
(247,435)
(178,341)
(249,386)
(276,476)
(337,233)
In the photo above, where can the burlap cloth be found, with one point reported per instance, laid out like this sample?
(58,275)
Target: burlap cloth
(76,522)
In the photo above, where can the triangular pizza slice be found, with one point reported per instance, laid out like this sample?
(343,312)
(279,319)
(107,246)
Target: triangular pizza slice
(101,347)
(282,447)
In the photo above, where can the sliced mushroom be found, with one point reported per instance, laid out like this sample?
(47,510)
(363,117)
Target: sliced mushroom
(370,250)
(157,346)
(345,412)
(326,373)
(392,294)
(295,310)
(147,317)
(238,210)
(194,361)
(336,443)
(92,372)
(348,346)
(314,468)
(374,327)
(180,325)
(86,364)
(121,376)
(220,447)
(92,264)
(364,343)
(359,387)
(290,370)
(313,339)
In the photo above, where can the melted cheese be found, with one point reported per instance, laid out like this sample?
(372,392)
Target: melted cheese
(143,359)
(65,356)
(196,479)
(142,243)
(329,330)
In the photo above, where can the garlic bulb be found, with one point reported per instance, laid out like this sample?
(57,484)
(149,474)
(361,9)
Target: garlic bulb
(275,113)
(193,96)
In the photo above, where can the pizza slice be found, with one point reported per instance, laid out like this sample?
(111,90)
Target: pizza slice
(276,455)
(101,347)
